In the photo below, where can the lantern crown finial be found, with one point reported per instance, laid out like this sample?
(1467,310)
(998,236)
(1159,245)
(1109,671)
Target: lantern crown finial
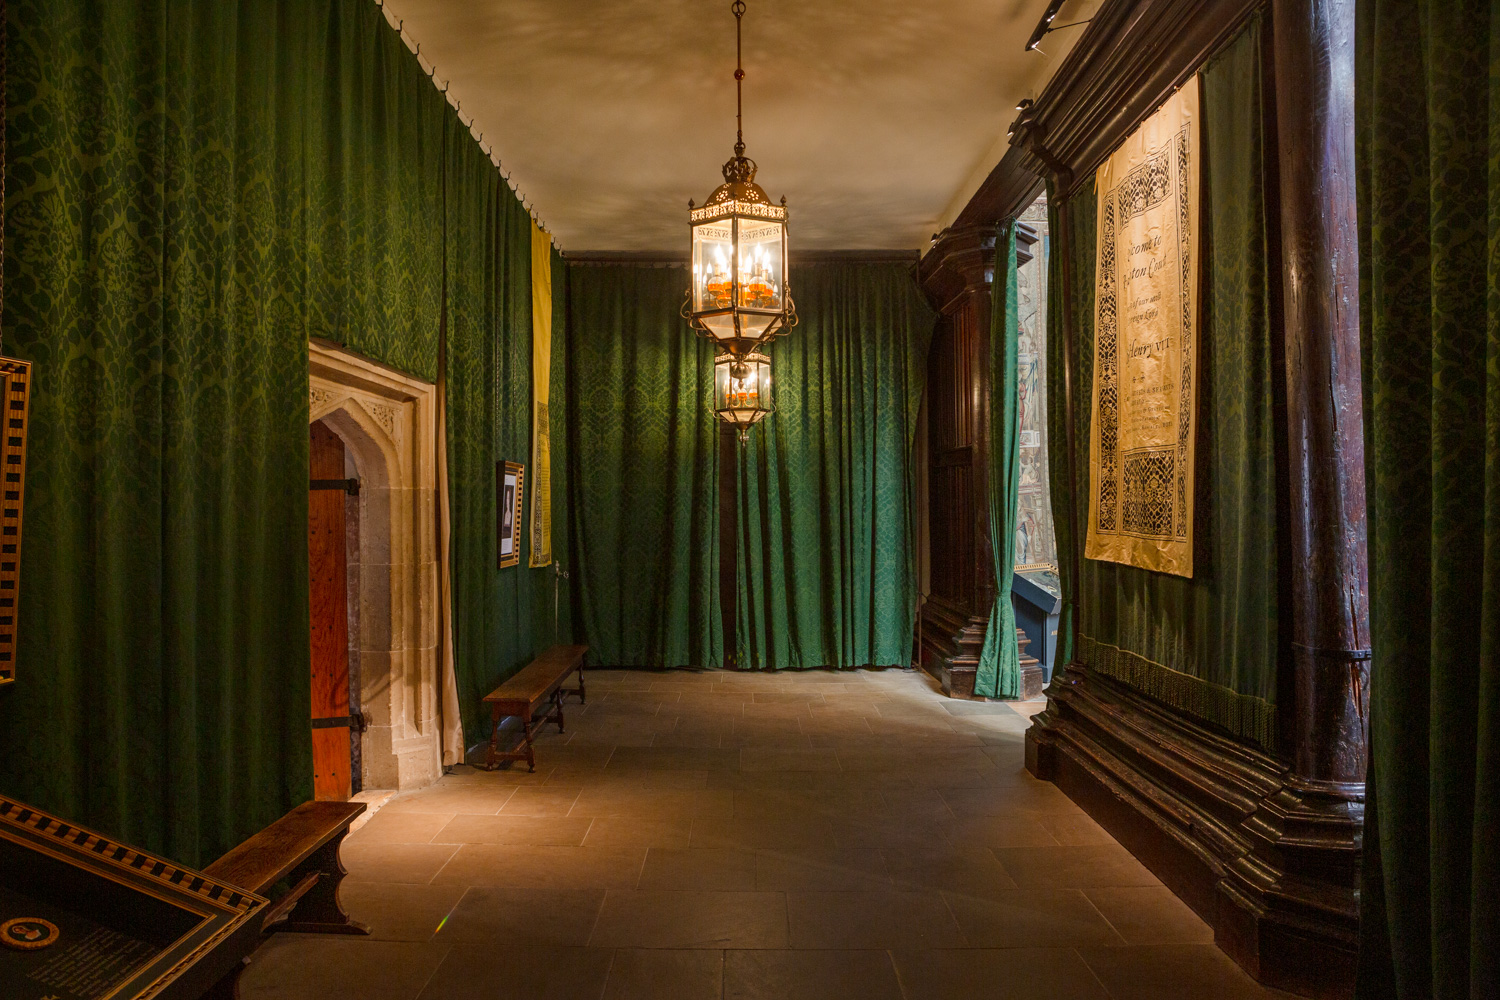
(739,169)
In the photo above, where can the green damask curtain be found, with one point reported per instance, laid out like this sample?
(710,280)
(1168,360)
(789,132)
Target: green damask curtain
(550,589)
(488,380)
(826,552)
(1428,97)
(373,160)
(1064,292)
(1207,645)
(999,672)
(155,272)
(642,477)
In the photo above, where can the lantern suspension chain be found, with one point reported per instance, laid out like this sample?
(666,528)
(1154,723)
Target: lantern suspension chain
(739,77)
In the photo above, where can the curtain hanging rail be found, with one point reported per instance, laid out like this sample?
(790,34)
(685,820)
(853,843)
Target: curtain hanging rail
(431,69)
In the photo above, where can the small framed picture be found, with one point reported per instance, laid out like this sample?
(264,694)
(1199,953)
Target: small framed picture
(509,479)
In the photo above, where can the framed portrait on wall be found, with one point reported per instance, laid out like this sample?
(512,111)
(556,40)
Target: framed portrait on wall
(509,480)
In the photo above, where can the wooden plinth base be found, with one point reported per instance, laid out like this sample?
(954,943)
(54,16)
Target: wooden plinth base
(951,643)
(1271,864)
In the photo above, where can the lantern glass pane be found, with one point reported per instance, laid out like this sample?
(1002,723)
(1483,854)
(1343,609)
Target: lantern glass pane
(722,326)
(761,260)
(756,327)
(713,249)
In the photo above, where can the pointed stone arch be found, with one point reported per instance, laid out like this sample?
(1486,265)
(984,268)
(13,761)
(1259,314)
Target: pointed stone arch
(388,421)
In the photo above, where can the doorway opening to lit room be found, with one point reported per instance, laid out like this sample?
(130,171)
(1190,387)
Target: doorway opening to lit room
(984,513)
(1036,592)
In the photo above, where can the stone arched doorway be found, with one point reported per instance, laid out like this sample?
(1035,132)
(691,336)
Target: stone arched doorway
(386,421)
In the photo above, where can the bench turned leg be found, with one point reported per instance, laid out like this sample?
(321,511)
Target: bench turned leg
(319,910)
(530,754)
(558,701)
(583,695)
(492,759)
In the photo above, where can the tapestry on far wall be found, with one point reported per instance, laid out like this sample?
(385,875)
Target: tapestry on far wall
(1145,350)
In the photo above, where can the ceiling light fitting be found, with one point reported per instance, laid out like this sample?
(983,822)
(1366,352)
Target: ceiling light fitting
(739,297)
(1044,27)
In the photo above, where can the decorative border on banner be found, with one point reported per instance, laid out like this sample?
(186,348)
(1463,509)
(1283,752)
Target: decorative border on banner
(1187,342)
(1108,348)
(1244,715)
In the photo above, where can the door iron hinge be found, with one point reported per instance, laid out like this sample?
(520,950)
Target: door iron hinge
(349,486)
(359,723)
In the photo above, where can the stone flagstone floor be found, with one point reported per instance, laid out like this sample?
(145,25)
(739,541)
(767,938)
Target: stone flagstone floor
(728,836)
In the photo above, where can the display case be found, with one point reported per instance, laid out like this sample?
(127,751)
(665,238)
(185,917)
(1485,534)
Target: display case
(83,917)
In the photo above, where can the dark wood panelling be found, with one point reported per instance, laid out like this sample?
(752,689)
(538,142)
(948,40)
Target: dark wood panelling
(1266,848)
(1268,862)
(1313,55)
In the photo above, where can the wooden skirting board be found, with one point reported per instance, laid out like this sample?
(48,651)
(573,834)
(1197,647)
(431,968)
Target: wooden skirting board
(1271,865)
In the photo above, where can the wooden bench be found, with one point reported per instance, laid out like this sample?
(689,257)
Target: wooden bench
(534,685)
(301,848)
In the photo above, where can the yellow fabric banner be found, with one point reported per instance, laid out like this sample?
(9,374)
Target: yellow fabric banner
(541,381)
(1146,345)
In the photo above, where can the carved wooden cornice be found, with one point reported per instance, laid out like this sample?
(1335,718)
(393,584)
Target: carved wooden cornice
(962,261)
(1131,57)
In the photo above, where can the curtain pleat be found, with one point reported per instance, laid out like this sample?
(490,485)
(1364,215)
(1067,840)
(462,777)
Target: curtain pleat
(1428,103)
(642,472)
(999,671)
(827,541)
(373,155)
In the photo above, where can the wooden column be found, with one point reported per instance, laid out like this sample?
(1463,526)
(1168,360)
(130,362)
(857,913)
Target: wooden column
(1325,724)
(1295,918)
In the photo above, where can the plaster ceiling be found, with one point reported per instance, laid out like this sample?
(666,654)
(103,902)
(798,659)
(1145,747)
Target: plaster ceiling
(877,119)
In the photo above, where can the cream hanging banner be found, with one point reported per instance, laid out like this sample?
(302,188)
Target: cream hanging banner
(541,382)
(1146,345)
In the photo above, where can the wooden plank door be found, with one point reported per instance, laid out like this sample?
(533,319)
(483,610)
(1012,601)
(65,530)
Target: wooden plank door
(329,591)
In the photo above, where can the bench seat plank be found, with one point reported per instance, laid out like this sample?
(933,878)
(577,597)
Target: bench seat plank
(278,850)
(538,679)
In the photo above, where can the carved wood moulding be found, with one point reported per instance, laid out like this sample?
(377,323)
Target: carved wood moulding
(1268,861)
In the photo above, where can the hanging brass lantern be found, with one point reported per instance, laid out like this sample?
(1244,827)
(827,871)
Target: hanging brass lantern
(739,297)
(742,390)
